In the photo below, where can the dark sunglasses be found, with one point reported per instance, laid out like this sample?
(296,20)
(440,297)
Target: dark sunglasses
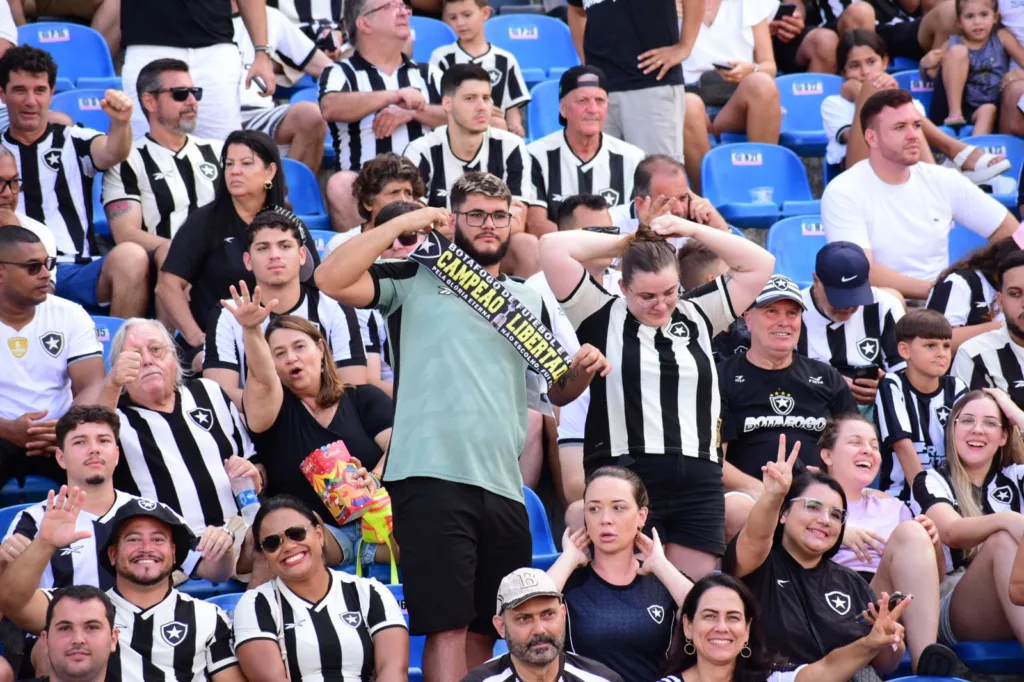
(409,238)
(33,267)
(602,230)
(181,94)
(272,543)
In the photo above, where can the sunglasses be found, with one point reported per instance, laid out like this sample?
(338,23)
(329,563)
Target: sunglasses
(181,94)
(602,230)
(410,238)
(33,267)
(272,543)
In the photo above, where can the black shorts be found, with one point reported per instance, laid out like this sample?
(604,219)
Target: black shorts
(457,542)
(687,498)
(901,39)
(785,53)
(14,463)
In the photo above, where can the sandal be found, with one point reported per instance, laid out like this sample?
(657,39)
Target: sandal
(984,169)
(957,122)
(940,661)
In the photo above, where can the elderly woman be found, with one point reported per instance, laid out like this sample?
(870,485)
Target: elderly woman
(183,441)
(205,257)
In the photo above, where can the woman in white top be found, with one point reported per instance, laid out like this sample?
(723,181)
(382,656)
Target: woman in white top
(734,34)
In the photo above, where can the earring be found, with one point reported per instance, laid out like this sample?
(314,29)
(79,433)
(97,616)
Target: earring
(268,185)
(745,652)
(688,647)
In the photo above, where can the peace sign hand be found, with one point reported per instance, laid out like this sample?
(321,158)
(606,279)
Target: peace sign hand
(778,475)
(886,630)
(247,309)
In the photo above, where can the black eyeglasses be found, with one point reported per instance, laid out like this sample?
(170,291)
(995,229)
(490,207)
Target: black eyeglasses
(13,184)
(272,543)
(409,238)
(602,230)
(477,218)
(396,5)
(181,94)
(34,266)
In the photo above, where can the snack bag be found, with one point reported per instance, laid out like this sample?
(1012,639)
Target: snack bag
(378,524)
(331,470)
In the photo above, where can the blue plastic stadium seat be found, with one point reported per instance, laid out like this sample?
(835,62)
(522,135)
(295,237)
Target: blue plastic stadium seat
(542,111)
(428,35)
(78,50)
(541,44)
(106,328)
(544,552)
(1013,148)
(83,106)
(34,490)
(992,658)
(921,678)
(228,602)
(100,226)
(920,89)
(204,589)
(321,238)
(732,138)
(801,95)
(902,64)
(737,231)
(795,243)
(313,95)
(905,671)
(962,241)
(7,515)
(304,193)
(286,91)
(101,83)
(737,178)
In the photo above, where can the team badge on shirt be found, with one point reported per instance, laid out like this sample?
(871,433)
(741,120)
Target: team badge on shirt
(868,349)
(838,602)
(53,343)
(352,619)
(174,632)
(208,170)
(1003,494)
(18,346)
(201,417)
(679,330)
(657,613)
(52,160)
(610,195)
(781,402)
(495,76)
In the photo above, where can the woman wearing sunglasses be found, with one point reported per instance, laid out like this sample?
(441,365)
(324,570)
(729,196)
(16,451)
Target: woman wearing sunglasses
(782,554)
(974,498)
(311,622)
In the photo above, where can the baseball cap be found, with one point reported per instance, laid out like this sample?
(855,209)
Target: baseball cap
(580,77)
(181,534)
(522,585)
(778,288)
(843,269)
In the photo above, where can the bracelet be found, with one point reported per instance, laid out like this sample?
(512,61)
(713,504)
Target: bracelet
(265,49)
(376,479)
(757,67)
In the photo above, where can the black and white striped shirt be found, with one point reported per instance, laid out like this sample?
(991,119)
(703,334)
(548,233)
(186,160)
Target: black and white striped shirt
(329,640)
(572,668)
(178,458)
(508,89)
(311,15)
(181,639)
(965,297)
(867,339)
(992,359)
(374,330)
(904,413)
(56,186)
(80,562)
(169,184)
(827,13)
(500,153)
(225,347)
(662,394)
(558,173)
(356,143)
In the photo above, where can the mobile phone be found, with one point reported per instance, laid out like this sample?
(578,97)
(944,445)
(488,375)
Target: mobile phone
(723,67)
(260,84)
(786,9)
(869,372)
(894,600)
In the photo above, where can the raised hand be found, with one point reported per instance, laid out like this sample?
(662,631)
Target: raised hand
(576,546)
(651,553)
(126,367)
(778,475)
(591,361)
(247,309)
(666,226)
(886,630)
(57,528)
(117,105)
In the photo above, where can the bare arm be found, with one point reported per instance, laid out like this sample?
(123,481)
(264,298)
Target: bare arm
(1017,577)
(764,55)
(391,654)
(263,393)
(562,255)
(693,14)
(908,458)
(85,373)
(125,218)
(578,26)
(431,115)
(957,532)
(537,222)
(232,674)
(1005,229)
(317,64)
(963,334)
(373,367)
(349,107)
(884,276)
(734,479)
(111,149)
(1010,44)
(170,289)
(260,660)
(18,11)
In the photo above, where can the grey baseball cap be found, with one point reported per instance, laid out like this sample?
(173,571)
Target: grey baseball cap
(522,585)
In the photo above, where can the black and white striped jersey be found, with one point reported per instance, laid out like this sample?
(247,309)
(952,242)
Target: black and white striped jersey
(904,413)
(311,15)
(356,143)
(56,186)
(501,153)
(992,359)
(178,457)
(508,89)
(867,339)
(329,640)
(225,347)
(182,638)
(827,13)
(558,173)
(965,297)
(661,396)
(374,330)
(169,184)
(573,668)
(80,563)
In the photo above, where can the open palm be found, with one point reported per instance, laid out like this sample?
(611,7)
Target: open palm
(57,527)
(247,309)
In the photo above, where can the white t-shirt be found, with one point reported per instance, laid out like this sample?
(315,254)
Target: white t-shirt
(837,114)
(774,677)
(907,226)
(8,31)
(1011,14)
(36,358)
(729,38)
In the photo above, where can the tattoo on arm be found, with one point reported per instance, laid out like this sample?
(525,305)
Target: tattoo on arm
(570,375)
(118,209)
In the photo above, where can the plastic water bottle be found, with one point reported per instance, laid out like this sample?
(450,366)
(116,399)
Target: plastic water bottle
(248,503)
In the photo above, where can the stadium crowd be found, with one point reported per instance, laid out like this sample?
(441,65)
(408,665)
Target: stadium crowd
(759,480)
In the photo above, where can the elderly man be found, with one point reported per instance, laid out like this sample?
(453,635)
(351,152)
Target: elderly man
(659,187)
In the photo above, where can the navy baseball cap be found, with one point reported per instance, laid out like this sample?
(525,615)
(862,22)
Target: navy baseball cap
(843,268)
(580,77)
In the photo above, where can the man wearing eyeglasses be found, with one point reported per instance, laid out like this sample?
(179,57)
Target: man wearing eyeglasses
(51,354)
(10,188)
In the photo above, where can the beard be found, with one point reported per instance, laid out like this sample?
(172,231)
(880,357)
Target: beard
(484,259)
(125,573)
(98,479)
(524,652)
(1014,329)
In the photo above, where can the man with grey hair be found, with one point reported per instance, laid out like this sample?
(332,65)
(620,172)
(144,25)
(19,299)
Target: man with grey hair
(374,102)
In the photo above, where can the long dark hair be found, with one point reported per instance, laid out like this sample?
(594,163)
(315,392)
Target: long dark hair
(761,663)
(800,484)
(264,147)
(984,259)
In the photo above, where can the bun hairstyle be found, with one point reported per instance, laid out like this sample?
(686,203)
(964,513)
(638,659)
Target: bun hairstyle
(646,251)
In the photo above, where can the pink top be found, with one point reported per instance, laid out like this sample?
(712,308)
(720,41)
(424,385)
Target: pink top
(880,515)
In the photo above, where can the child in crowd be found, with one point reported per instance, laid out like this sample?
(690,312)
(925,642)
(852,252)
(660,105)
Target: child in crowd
(508,89)
(914,404)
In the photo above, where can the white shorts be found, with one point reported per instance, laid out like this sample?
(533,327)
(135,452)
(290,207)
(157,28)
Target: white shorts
(264,119)
(572,420)
(216,69)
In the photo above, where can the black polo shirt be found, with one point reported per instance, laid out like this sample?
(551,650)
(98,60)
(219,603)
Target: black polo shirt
(810,611)
(620,30)
(176,23)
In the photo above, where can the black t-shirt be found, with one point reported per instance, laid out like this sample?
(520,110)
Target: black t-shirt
(364,411)
(733,341)
(798,601)
(176,23)
(759,404)
(618,31)
(626,627)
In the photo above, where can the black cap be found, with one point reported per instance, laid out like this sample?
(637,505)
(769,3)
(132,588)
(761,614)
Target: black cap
(843,269)
(580,77)
(181,534)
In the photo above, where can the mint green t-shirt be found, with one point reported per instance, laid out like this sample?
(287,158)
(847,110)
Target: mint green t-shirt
(460,387)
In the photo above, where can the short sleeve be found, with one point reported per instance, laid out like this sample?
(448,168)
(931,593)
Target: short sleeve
(190,246)
(368,331)
(220,349)
(539,182)
(8,29)
(248,449)
(518,174)
(381,610)
(835,117)
(970,370)
(345,337)
(930,489)
(952,298)
(890,310)
(417,152)
(713,298)
(891,409)
(121,181)
(842,217)
(293,48)
(376,409)
(586,299)
(516,93)
(220,650)
(81,140)
(256,617)
(83,343)
(392,281)
(972,207)
(23,524)
(336,78)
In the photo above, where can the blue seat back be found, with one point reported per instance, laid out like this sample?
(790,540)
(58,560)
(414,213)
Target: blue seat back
(106,328)
(321,238)
(303,188)
(992,658)
(801,95)
(305,95)
(730,171)
(228,602)
(919,88)
(795,243)
(962,241)
(543,543)
(537,41)
(929,678)
(78,50)
(542,111)
(7,515)
(428,35)
(83,106)
(1010,146)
